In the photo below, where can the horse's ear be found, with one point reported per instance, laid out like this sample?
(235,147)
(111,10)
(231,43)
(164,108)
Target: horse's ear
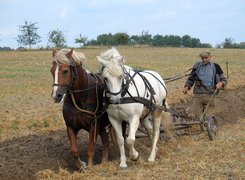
(68,55)
(120,59)
(101,60)
(54,52)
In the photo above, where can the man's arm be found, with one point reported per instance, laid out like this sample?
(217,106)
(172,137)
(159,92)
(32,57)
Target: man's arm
(191,79)
(221,79)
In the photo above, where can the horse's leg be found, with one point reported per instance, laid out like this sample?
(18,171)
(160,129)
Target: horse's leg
(133,126)
(156,116)
(117,126)
(93,134)
(147,125)
(73,147)
(105,141)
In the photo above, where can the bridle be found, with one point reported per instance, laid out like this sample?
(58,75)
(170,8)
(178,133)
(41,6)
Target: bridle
(124,86)
(68,85)
(74,71)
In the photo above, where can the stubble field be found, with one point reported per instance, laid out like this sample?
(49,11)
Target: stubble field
(33,140)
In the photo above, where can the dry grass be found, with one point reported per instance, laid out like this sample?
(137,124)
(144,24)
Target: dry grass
(193,157)
(26,108)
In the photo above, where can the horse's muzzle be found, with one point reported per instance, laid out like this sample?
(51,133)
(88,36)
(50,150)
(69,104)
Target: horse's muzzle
(57,98)
(116,99)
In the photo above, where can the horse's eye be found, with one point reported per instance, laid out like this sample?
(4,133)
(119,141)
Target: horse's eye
(64,72)
(105,79)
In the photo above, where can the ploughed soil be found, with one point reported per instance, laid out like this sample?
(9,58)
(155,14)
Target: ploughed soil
(24,156)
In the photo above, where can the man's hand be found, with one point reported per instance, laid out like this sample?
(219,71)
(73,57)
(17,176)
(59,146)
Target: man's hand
(185,90)
(219,85)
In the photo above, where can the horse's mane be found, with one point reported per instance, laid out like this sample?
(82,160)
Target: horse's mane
(111,53)
(114,62)
(114,68)
(78,57)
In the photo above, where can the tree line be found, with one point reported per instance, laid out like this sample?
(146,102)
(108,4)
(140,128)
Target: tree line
(147,39)
(29,36)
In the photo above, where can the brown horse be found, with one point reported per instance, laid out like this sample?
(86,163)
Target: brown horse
(81,93)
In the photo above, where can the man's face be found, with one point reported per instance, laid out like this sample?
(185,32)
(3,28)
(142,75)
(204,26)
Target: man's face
(206,60)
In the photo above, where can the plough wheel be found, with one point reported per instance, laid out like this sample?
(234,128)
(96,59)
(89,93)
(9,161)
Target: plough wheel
(212,127)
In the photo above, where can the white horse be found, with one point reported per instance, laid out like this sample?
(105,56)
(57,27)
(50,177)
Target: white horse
(143,89)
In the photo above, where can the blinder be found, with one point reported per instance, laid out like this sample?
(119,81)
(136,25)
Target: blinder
(122,91)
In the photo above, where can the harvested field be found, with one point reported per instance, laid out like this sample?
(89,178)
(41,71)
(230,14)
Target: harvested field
(33,140)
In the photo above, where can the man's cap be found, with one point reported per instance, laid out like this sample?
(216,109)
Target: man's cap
(205,54)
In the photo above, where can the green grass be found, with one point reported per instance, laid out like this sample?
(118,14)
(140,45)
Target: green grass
(38,125)
(15,125)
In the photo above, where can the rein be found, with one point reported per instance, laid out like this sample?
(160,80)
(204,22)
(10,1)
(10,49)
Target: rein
(177,77)
(94,114)
(90,114)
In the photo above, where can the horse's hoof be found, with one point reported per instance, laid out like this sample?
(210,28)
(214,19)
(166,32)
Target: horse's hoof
(124,166)
(81,170)
(82,167)
(150,159)
(83,164)
(134,157)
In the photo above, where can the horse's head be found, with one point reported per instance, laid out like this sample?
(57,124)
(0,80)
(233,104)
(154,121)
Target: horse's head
(64,71)
(113,76)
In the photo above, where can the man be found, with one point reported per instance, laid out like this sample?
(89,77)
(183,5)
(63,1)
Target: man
(206,76)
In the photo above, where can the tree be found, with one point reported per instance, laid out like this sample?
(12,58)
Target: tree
(207,45)
(186,41)
(81,40)
(105,39)
(228,43)
(57,38)
(145,37)
(242,45)
(134,39)
(174,41)
(121,38)
(92,42)
(29,35)
(157,40)
(195,42)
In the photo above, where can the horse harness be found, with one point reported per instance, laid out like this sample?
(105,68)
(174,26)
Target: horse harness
(91,110)
(149,103)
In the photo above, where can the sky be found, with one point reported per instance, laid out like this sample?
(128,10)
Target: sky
(209,20)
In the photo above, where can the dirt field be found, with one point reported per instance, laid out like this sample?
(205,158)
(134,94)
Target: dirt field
(33,140)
